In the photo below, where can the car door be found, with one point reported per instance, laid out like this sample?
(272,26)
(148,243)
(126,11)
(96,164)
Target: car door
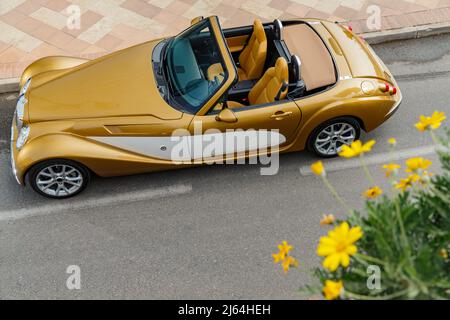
(282,118)
(277,121)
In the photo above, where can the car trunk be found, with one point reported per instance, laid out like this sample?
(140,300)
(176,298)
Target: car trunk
(362,60)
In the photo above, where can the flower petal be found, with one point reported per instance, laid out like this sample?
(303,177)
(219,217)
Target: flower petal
(345,260)
(368,146)
(355,234)
(331,262)
(351,250)
(323,251)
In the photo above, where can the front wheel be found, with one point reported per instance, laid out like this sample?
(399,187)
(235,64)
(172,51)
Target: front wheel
(329,137)
(58,179)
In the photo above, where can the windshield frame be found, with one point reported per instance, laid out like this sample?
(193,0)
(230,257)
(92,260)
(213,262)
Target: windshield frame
(227,62)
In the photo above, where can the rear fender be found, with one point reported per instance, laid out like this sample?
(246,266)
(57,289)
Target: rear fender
(370,113)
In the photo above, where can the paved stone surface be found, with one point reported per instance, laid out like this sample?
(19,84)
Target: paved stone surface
(216,241)
(30,29)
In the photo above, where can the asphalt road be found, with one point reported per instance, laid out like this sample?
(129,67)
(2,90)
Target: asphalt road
(205,232)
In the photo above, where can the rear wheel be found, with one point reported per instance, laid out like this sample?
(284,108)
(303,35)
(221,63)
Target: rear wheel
(329,137)
(58,179)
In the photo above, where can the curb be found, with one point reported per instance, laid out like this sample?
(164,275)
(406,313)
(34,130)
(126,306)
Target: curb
(12,85)
(407,33)
(9,85)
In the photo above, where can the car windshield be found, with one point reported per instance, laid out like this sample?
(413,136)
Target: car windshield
(190,60)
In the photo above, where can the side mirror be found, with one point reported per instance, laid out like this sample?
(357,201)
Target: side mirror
(226,115)
(196,20)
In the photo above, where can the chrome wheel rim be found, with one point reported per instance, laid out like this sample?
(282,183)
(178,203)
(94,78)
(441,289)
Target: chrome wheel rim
(59,180)
(332,138)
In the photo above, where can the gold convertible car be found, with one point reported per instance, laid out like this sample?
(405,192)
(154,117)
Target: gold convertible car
(314,83)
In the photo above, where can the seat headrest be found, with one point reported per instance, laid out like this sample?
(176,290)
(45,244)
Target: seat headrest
(278,29)
(281,69)
(258,30)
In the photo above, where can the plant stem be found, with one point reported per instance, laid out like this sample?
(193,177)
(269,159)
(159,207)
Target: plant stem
(363,297)
(439,194)
(369,258)
(366,170)
(402,226)
(336,195)
(434,138)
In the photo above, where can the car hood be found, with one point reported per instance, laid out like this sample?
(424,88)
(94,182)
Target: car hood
(361,59)
(117,85)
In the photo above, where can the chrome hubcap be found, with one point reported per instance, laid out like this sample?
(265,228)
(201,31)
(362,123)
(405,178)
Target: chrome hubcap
(59,180)
(330,139)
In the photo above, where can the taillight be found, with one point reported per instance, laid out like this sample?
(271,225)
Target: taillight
(385,87)
(393,91)
(388,89)
(350,28)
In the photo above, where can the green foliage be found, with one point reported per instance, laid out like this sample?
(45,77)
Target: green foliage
(444,153)
(408,237)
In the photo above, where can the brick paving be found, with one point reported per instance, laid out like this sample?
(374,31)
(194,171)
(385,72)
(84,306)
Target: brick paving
(30,29)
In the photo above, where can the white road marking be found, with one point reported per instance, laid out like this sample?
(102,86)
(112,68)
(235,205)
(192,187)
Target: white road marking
(82,204)
(12,97)
(375,159)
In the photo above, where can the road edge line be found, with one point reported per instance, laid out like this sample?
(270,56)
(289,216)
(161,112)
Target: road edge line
(91,203)
(340,164)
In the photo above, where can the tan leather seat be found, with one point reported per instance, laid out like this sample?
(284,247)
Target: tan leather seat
(215,70)
(268,87)
(251,59)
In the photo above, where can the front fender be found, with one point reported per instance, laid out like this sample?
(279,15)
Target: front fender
(50,64)
(102,159)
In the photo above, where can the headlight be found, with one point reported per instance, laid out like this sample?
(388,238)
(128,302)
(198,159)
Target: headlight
(25,87)
(23,136)
(20,109)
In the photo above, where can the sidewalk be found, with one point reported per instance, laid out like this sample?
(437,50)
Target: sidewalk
(30,29)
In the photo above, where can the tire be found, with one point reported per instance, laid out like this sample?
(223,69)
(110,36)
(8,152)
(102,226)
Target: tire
(58,178)
(336,132)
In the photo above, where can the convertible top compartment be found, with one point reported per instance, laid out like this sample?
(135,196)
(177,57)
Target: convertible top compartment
(317,65)
(362,60)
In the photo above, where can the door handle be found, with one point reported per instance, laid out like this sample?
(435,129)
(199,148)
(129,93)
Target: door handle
(280,115)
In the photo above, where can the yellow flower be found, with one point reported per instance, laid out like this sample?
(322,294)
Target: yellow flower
(392,142)
(444,254)
(284,249)
(430,123)
(374,192)
(283,256)
(289,262)
(391,168)
(327,219)
(356,149)
(338,246)
(332,289)
(278,257)
(407,183)
(416,164)
(318,169)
